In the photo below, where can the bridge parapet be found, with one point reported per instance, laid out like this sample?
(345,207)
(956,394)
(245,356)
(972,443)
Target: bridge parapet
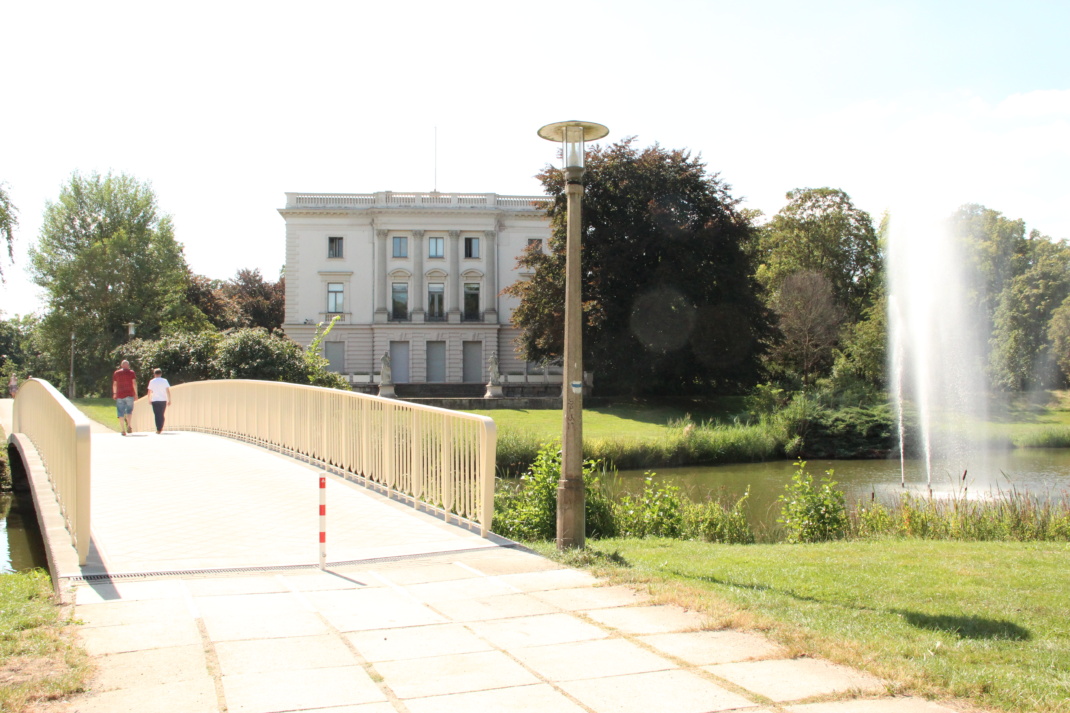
(440,458)
(60,434)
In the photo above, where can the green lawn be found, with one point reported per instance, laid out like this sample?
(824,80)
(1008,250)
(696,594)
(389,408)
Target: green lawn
(981,621)
(100,410)
(643,421)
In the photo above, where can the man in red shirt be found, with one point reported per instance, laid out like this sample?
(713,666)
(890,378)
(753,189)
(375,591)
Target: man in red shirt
(124,391)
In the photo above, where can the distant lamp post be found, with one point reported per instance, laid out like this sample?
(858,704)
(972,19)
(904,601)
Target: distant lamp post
(570,497)
(70,387)
(129,330)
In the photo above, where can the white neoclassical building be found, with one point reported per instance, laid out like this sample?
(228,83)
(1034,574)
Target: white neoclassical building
(413,275)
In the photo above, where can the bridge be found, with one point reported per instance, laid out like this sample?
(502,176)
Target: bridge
(194,562)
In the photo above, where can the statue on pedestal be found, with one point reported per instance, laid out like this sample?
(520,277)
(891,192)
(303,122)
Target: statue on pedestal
(385,376)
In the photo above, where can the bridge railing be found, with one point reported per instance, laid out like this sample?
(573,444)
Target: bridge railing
(436,457)
(60,433)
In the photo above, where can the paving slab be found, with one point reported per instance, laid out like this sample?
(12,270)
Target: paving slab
(679,691)
(795,679)
(138,669)
(700,648)
(588,597)
(591,659)
(460,673)
(417,642)
(307,689)
(655,619)
(297,653)
(538,698)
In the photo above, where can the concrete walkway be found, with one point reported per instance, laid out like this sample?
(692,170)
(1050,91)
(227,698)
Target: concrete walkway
(202,596)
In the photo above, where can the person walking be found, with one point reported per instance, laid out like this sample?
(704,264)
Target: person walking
(13,385)
(124,391)
(159,396)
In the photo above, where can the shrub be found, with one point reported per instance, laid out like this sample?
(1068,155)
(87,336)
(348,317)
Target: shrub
(813,512)
(655,512)
(529,511)
(717,521)
(183,357)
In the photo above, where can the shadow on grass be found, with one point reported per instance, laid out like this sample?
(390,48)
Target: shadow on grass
(966,627)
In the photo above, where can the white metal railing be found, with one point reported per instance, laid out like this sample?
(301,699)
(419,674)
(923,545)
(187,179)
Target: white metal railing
(386,199)
(60,433)
(436,457)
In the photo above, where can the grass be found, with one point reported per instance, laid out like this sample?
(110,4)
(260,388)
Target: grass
(100,410)
(38,660)
(985,622)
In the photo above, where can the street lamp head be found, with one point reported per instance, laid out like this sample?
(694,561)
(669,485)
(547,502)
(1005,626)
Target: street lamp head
(572,135)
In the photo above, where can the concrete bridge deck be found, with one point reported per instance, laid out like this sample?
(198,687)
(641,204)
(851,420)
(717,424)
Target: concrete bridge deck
(211,602)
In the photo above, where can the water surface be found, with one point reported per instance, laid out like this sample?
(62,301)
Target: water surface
(21,545)
(1043,472)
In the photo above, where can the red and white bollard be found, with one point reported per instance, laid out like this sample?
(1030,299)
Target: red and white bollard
(323,522)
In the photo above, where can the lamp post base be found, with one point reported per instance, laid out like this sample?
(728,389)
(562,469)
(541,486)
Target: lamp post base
(571,522)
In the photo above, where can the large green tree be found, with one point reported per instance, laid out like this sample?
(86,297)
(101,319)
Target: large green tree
(106,257)
(670,302)
(1021,349)
(821,230)
(8,221)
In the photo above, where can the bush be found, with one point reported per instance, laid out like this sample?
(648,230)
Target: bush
(529,511)
(656,512)
(717,521)
(813,512)
(183,357)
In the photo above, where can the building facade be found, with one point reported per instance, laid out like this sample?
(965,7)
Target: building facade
(416,276)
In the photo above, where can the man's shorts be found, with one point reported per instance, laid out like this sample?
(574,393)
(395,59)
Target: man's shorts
(124,407)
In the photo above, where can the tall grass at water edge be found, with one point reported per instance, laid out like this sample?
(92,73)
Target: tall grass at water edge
(683,443)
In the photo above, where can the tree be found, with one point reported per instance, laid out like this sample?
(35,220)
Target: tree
(996,248)
(670,303)
(809,320)
(821,230)
(8,221)
(106,257)
(1021,352)
(260,303)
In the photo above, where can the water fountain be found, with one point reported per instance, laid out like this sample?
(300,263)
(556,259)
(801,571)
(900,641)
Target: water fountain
(936,345)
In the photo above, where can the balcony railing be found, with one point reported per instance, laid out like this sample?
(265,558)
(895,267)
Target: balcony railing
(389,199)
(434,457)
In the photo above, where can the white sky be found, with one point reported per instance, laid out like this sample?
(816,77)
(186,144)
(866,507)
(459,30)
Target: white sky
(225,106)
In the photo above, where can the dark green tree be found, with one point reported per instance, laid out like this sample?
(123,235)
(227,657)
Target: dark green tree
(670,302)
(821,230)
(107,257)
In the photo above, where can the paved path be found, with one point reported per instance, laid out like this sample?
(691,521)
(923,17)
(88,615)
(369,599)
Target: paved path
(411,615)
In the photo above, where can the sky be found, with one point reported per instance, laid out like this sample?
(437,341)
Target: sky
(225,106)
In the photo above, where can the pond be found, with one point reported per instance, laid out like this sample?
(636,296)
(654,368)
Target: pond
(1040,472)
(21,545)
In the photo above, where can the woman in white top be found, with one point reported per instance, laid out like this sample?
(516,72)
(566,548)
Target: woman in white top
(159,396)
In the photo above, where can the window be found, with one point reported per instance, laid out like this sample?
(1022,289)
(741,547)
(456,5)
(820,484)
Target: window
(471,247)
(400,301)
(334,247)
(335,354)
(436,292)
(401,246)
(335,297)
(537,242)
(471,301)
(434,247)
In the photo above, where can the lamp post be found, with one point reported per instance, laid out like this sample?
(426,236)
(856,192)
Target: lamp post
(129,330)
(70,388)
(570,497)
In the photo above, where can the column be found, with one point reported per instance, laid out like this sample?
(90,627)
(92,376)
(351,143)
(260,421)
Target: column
(418,312)
(381,246)
(455,295)
(490,261)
